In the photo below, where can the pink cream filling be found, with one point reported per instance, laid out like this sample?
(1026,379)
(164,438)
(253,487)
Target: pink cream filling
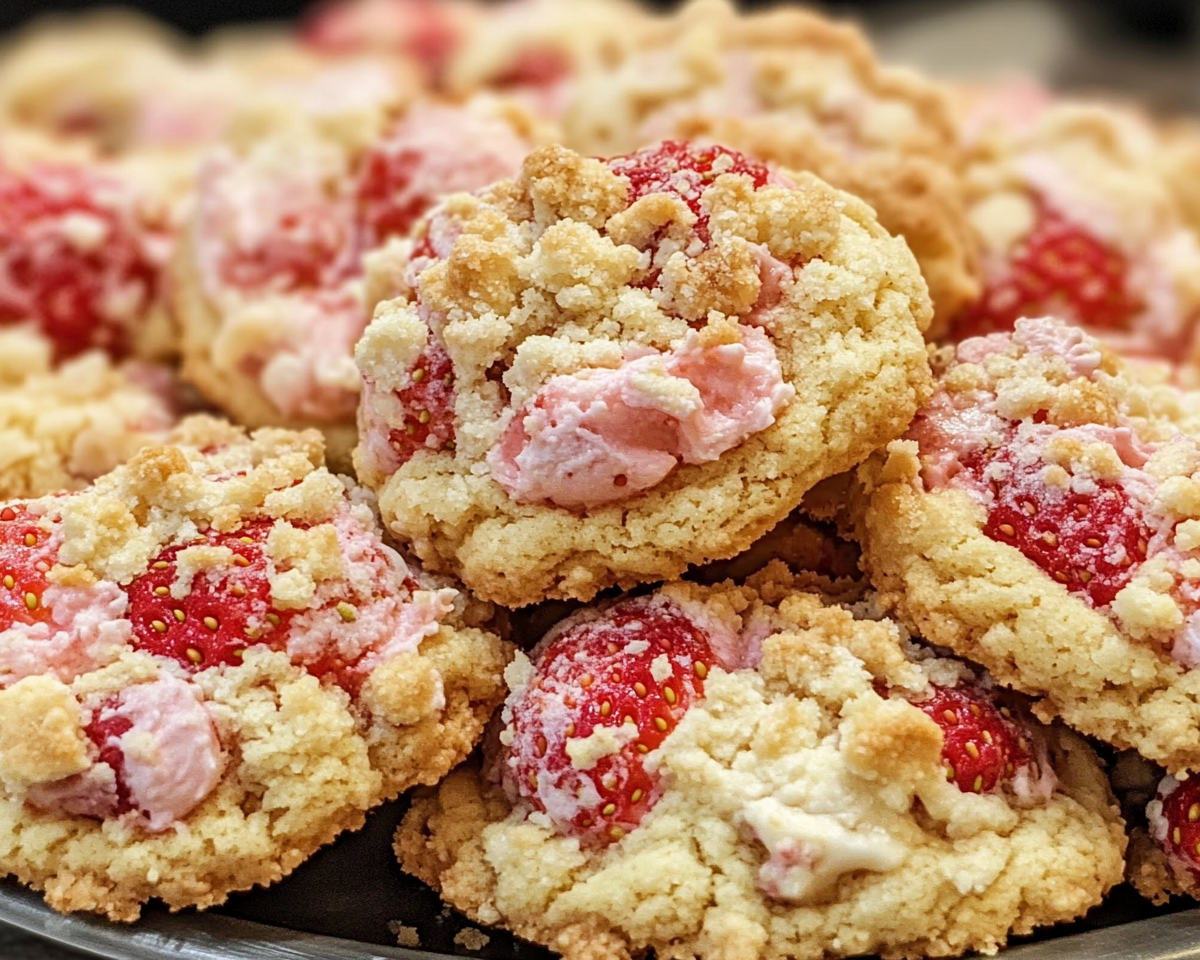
(603,435)
(87,629)
(381,628)
(171,754)
(173,757)
(1156,330)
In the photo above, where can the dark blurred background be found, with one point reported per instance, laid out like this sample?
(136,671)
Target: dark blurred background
(1160,21)
(1147,49)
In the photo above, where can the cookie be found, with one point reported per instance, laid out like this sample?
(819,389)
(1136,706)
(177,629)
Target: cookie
(427,33)
(608,370)
(1038,518)
(791,87)
(1164,849)
(268,283)
(1076,219)
(210,666)
(60,429)
(83,249)
(755,771)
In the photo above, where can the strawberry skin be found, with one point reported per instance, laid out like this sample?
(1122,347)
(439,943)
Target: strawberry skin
(1091,543)
(983,746)
(225,610)
(25,558)
(635,669)
(678,167)
(74,258)
(1059,269)
(1181,810)
(428,404)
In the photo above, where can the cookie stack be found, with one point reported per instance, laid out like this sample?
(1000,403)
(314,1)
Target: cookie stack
(745,487)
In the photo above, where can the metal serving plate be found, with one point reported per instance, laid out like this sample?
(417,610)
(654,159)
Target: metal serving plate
(344,903)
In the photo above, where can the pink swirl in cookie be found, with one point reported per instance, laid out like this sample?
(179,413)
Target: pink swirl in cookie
(79,257)
(172,755)
(600,435)
(85,629)
(266,225)
(411,168)
(370,614)
(45,627)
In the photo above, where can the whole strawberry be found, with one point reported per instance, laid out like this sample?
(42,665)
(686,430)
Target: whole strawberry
(224,609)
(606,692)
(983,746)
(26,557)
(1061,269)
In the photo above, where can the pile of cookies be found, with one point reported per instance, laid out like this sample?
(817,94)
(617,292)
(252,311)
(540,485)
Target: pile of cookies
(750,492)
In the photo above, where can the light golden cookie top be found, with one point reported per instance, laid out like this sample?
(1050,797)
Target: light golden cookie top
(1079,466)
(1072,194)
(786,792)
(61,429)
(581,272)
(794,88)
(792,65)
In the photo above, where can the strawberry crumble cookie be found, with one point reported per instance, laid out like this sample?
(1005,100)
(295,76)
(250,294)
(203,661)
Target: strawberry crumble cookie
(270,286)
(757,772)
(210,666)
(83,247)
(1041,517)
(608,370)
(792,87)
(1076,219)
(60,429)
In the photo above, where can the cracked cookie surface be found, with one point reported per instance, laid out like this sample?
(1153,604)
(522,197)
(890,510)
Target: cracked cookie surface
(801,798)
(1040,519)
(210,666)
(605,371)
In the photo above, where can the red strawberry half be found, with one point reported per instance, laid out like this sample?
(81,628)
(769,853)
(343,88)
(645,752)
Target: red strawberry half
(225,610)
(1181,811)
(1059,269)
(635,670)
(428,404)
(983,745)
(678,167)
(75,258)
(25,559)
(1089,542)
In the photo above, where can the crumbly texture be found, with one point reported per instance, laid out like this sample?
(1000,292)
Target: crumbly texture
(1119,671)
(536,49)
(277,349)
(944,872)
(543,279)
(800,90)
(1105,168)
(61,429)
(305,754)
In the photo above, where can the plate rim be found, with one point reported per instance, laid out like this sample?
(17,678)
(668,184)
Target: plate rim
(188,935)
